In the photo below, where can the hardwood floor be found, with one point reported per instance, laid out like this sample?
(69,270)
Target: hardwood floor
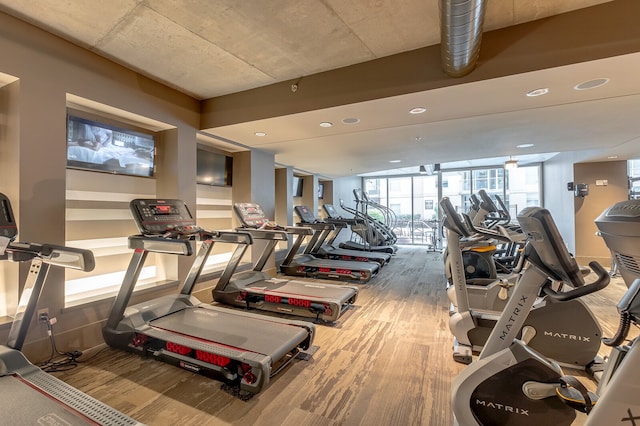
(386,362)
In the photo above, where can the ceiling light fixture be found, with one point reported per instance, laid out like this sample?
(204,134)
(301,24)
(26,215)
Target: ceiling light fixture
(395,161)
(417,110)
(524,145)
(591,84)
(326,124)
(350,120)
(511,164)
(538,92)
(612,157)
(260,134)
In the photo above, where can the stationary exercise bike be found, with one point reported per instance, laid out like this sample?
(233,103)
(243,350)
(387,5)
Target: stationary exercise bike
(512,383)
(475,246)
(568,333)
(504,254)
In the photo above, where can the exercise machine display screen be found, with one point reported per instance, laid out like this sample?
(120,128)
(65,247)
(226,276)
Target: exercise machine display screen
(160,216)
(250,214)
(8,227)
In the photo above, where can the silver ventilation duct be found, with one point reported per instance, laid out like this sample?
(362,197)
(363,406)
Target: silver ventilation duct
(461,24)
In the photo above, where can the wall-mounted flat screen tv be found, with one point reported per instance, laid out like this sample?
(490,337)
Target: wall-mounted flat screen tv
(298,184)
(105,148)
(213,168)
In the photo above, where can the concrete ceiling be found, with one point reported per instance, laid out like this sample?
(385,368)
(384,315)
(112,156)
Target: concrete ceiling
(216,50)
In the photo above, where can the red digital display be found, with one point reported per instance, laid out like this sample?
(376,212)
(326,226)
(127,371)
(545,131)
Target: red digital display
(272,299)
(177,348)
(162,209)
(299,302)
(219,360)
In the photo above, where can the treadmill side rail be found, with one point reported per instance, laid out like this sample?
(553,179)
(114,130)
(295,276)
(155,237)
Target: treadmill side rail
(161,245)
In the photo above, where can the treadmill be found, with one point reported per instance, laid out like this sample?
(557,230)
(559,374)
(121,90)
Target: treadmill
(239,348)
(327,234)
(333,216)
(252,216)
(255,289)
(29,395)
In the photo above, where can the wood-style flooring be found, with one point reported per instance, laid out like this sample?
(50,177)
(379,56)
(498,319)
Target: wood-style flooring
(386,362)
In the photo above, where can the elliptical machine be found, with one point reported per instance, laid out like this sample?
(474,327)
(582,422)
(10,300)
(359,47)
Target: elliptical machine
(511,383)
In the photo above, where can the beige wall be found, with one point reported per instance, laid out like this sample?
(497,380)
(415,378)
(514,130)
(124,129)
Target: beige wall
(284,195)
(589,246)
(48,72)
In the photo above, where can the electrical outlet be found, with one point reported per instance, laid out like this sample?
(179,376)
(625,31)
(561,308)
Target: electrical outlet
(43,315)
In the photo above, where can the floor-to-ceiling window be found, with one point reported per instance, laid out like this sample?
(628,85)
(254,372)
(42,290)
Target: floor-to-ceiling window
(424,225)
(633,171)
(414,199)
(523,189)
(456,185)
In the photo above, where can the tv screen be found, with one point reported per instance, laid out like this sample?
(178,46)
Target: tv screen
(321,190)
(297,186)
(213,168)
(104,148)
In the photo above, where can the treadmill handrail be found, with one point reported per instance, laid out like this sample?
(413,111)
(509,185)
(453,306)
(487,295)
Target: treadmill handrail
(42,256)
(52,254)
(299,230)
(230,237)
(318,226)
(161,245)
(264,234)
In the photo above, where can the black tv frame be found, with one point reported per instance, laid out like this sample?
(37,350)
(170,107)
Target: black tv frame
(206,158)
(141,147)
(298,185)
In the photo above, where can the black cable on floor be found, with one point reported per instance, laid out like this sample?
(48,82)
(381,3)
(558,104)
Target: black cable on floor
(69,362)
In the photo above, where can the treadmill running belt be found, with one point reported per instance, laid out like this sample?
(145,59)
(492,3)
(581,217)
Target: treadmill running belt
(237,329)
(299,289)
(30,406)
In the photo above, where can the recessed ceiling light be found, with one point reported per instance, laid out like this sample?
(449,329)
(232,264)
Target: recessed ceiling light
(350,120)
(538,92)
(395,161)
(524,145)
(417,110)
(612,157)
(260,134)
(326,124)
(591,84)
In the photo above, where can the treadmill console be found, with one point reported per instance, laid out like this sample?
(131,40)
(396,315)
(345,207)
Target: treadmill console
(305,214)
(159,216)
(331,211)
(8,227)
(251,215)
